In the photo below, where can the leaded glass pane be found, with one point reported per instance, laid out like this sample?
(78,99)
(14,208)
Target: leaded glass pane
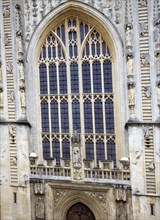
(109,116)
(76,115)
(44,116)
(98,116)
(53,78)
(97,77)
(64,117)
(43,78)
(54,116)
(111,153)
(86,77)
(88,116)
(107,71)
(74,78)
(56,150)
(46,148)
(89,150)
(66,149)
(62,78)
(100,150)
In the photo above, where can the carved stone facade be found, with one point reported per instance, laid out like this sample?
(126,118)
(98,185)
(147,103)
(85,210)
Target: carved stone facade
(110,175)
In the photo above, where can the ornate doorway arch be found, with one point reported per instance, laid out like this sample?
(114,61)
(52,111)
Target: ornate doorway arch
(79,211)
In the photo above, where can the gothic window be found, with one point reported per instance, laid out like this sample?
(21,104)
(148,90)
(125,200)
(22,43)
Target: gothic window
(76,92)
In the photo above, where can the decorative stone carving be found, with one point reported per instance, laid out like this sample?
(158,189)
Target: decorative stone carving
(151,165)
(40,209)
(39,188)
(143,29)
(101,198)
(147,131)
(120,193)
(6,39)
(77,174)
(11,96)
(6,11)
(12,130)
(9,67)
(143,2)
(147,91)
(158,63)
(25,179)
(18,17)
(137,155)
(157,38)
(58,194)
(145,60)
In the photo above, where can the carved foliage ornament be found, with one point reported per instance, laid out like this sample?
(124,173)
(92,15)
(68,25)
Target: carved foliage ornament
(39,188)
(101,198)
(58,194)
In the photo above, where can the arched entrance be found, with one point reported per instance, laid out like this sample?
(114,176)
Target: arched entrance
(79,212)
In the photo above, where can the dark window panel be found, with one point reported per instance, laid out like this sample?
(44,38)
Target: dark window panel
(109,113)
(97,84)
(107,71)
(66,149)
(89,150)
(46,149)
(56,151)
(63,78)
(74,78)
(98,116)
(104,48)
(86,77)
(43,79)
(88,116)
(64,117)
(76,115)
(100,150)
(81,32)
(63,33)
(54,117)
(111,150)
(53,78)
(44,116)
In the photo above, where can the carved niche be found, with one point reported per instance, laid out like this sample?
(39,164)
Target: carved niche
(39,209)
(121,206)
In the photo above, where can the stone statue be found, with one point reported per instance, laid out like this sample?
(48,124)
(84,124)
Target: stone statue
(6,11)
(76,156)
(147,131)
(145,60)
(22,97)
(21,72)
(129,65)
(147,91)
(9,67)
(1,97)
(76,137)
(131,94)
(40,210)
(19,41)
(120,194)
(0,70)
(158,94)
(137,156)
(128,36)
(143,28)
(152,166)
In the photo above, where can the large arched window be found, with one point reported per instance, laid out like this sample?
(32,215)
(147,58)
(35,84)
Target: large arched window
(75,70)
